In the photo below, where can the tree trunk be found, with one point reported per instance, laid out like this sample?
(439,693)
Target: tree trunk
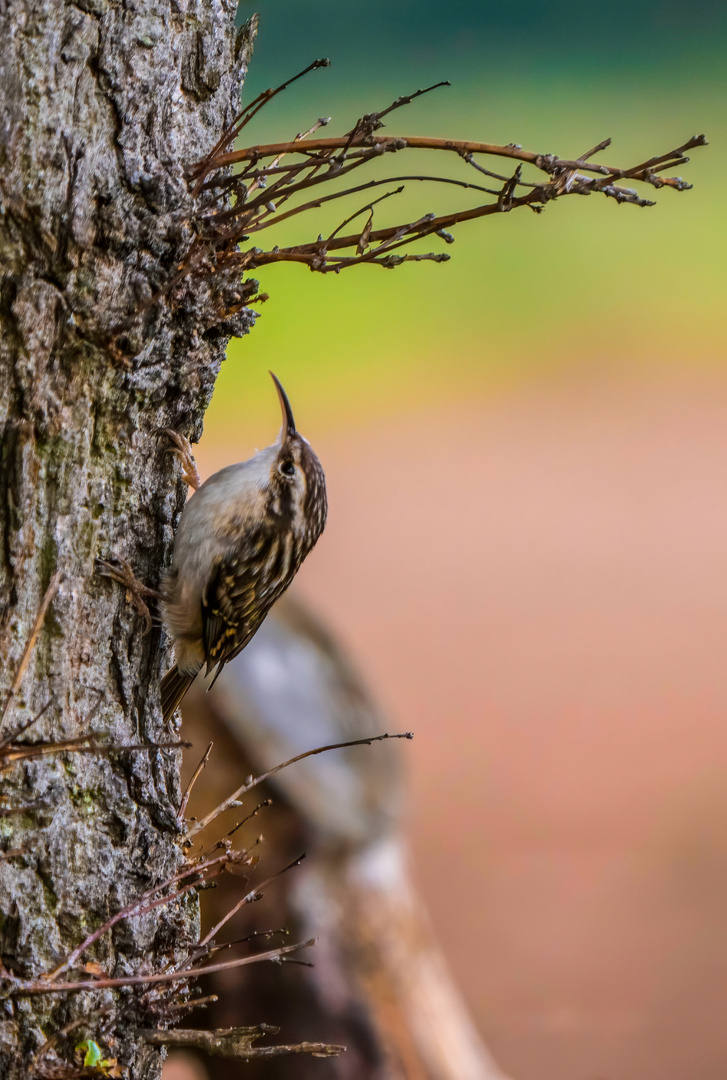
(103,106)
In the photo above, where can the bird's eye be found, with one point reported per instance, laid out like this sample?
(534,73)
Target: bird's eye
(288,468)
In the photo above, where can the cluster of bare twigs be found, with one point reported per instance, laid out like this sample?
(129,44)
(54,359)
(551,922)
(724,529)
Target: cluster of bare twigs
(168,994)
(267,190)
(200,871)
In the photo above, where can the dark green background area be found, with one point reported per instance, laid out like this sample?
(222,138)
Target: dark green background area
(374,34)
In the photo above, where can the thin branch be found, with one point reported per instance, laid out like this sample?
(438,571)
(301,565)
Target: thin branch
(25,726)
(83,744)
(595,150)
(662,159)
(249,898)
(214,949)
(389,262)
(316,203)
(389,143)
(19,987)
(253,813)
(246,210)
(365,126)
(237,1043)
(505,197)
(192,1003)
(137,906)
(136,909)
(248,786)
(245,117)
(469,158)
(357,213)
(195,776)
(236,181)
(28,650)
(261,180)
(433,225)
(406,99)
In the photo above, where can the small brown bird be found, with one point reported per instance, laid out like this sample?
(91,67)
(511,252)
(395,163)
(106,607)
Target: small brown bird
(241,539)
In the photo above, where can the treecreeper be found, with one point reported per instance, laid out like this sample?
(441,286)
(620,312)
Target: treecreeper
(241,539)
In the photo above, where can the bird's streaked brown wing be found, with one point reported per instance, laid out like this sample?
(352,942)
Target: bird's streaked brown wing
(230,612)
(243,586)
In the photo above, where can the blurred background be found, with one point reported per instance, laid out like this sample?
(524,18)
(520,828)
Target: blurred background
(526,451)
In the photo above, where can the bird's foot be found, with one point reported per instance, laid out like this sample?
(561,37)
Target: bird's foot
(137,593)
(183,450)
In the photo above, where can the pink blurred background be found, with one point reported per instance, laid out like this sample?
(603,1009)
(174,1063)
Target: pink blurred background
(535,584)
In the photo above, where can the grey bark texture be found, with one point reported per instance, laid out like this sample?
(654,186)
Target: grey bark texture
(103,104)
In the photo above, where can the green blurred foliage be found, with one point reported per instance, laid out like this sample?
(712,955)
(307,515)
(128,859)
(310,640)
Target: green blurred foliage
(586,281)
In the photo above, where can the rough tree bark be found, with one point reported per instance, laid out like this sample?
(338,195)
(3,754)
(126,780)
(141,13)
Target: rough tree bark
(102,105)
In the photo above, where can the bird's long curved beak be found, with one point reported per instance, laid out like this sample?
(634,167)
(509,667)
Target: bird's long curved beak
(288,421)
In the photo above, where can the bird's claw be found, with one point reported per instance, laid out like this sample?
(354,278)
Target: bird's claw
(183,450)
(136,591)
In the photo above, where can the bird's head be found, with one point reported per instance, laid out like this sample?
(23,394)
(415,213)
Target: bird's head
(297,486)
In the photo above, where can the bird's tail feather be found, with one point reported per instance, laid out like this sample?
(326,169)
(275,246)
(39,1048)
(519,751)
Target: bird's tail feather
(174,687)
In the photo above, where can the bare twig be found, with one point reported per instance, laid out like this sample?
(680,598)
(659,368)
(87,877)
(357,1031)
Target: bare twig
(19,987)
(138,905)
(250,784)
(361,244)
(505,196)
(248,817)
(214,949)
(30,645)
(249,898)
(195,776)
(237,1043)
(246,116)
(83,744)
(317,203)
(407,99)
(311,253)
(387,144)
(25,726)
(191,1003)
(595,150)
(135,909)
